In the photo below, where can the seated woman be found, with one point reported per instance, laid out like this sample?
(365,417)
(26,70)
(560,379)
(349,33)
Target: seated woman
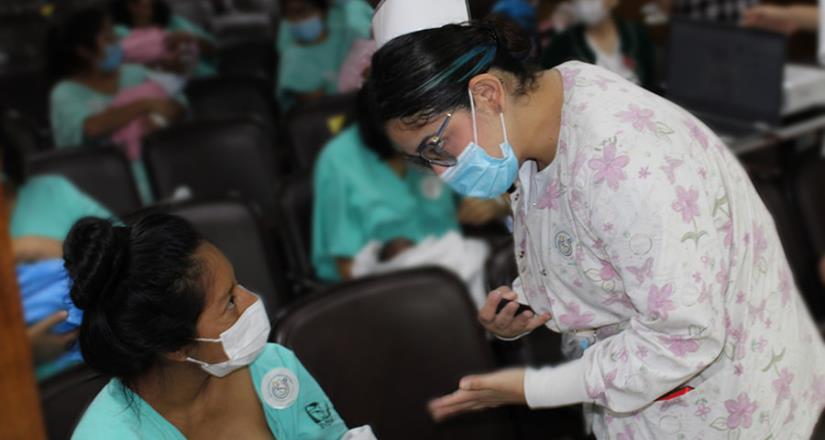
(84,61)
(181,34)
(185,344)
(365,192)
(42,211)
(314,40)
(607,41)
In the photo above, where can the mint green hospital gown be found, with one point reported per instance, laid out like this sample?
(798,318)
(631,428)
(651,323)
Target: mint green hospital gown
(307,69)
(177,23)
(359,198)
(294,404)
(48,207)
(71,103)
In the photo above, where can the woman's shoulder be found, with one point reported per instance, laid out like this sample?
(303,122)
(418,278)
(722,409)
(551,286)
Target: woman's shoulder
(342,151)
(48,184)
(66,90)
(276,356)
(108,416)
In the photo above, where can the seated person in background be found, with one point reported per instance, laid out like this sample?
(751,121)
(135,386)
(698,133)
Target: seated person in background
(185,344)
(190,43)
(42,211)
(84,61)
(314,40)
(607,41)
(366,192)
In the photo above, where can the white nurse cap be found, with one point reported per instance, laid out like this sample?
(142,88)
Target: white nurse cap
(394,18)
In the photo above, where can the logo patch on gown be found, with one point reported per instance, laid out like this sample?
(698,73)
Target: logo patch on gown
(432,187)
(320,413)
(564,243)
(280,388)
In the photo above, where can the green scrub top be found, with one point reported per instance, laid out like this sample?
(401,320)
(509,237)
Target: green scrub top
(71,103)
(359,198)
(180,24)
(48,207)
(294,404)
(307,69)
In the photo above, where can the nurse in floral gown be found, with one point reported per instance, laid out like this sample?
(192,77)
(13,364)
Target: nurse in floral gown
(638,235)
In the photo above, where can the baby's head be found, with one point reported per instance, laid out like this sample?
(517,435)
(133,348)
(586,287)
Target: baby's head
(394,248)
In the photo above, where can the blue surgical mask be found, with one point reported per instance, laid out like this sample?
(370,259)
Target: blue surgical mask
(479,175)
(308,30)
(113,58)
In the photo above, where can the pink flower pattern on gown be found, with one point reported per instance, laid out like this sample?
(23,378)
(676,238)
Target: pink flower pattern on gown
(640,118)
(609,167)
(641,224)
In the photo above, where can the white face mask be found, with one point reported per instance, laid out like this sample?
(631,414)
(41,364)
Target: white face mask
(589,12)
(242,342)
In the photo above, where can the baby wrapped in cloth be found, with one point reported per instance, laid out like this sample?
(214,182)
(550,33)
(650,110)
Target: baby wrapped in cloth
(462,256)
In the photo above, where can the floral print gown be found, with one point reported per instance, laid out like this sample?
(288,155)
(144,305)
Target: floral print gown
(646,220)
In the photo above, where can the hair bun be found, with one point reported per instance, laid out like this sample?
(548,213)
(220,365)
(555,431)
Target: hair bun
(95,254)
(509,37)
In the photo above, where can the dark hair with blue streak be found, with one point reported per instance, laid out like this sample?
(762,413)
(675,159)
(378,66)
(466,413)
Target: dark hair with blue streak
(421,75)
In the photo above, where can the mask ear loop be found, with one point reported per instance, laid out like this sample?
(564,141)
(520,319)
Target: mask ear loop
(504,128)
(473,112)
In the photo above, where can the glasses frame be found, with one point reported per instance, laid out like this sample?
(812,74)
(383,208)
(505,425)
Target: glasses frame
(431,149)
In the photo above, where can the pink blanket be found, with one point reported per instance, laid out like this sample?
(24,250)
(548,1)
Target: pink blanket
(357,61)
(130,137)
(144,46)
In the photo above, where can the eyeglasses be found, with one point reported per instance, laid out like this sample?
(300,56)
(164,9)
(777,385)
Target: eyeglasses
(431,149)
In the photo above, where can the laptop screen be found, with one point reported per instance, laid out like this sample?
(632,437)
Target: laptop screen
(726,71)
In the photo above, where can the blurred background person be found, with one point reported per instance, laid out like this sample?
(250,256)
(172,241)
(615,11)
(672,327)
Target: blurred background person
(191,45)
(85,64)
(43,210)
(315,38)
(368,196)
(606,40)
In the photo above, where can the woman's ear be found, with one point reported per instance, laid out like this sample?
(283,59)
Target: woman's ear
(489,93)
(178,355)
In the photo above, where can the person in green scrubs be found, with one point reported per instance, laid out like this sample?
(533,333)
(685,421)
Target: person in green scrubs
(84,61)
(42,211)
(185,344)
(315,38)
(139,14)
(365,190)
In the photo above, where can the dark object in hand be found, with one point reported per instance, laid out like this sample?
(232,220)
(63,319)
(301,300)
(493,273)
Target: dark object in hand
(521,307)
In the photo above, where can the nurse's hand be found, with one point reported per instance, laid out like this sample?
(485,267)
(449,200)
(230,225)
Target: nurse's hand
(506,324)
(480,392)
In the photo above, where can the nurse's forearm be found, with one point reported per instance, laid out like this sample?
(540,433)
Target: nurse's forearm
(553,387)
(806,17)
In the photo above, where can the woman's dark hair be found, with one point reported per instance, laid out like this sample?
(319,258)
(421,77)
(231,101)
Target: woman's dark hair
(420,75)
(12,157)
(139,288)
(161,13)
(79,29)
(370,128)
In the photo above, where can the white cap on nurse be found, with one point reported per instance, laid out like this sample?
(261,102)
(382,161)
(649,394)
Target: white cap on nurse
(394,18)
